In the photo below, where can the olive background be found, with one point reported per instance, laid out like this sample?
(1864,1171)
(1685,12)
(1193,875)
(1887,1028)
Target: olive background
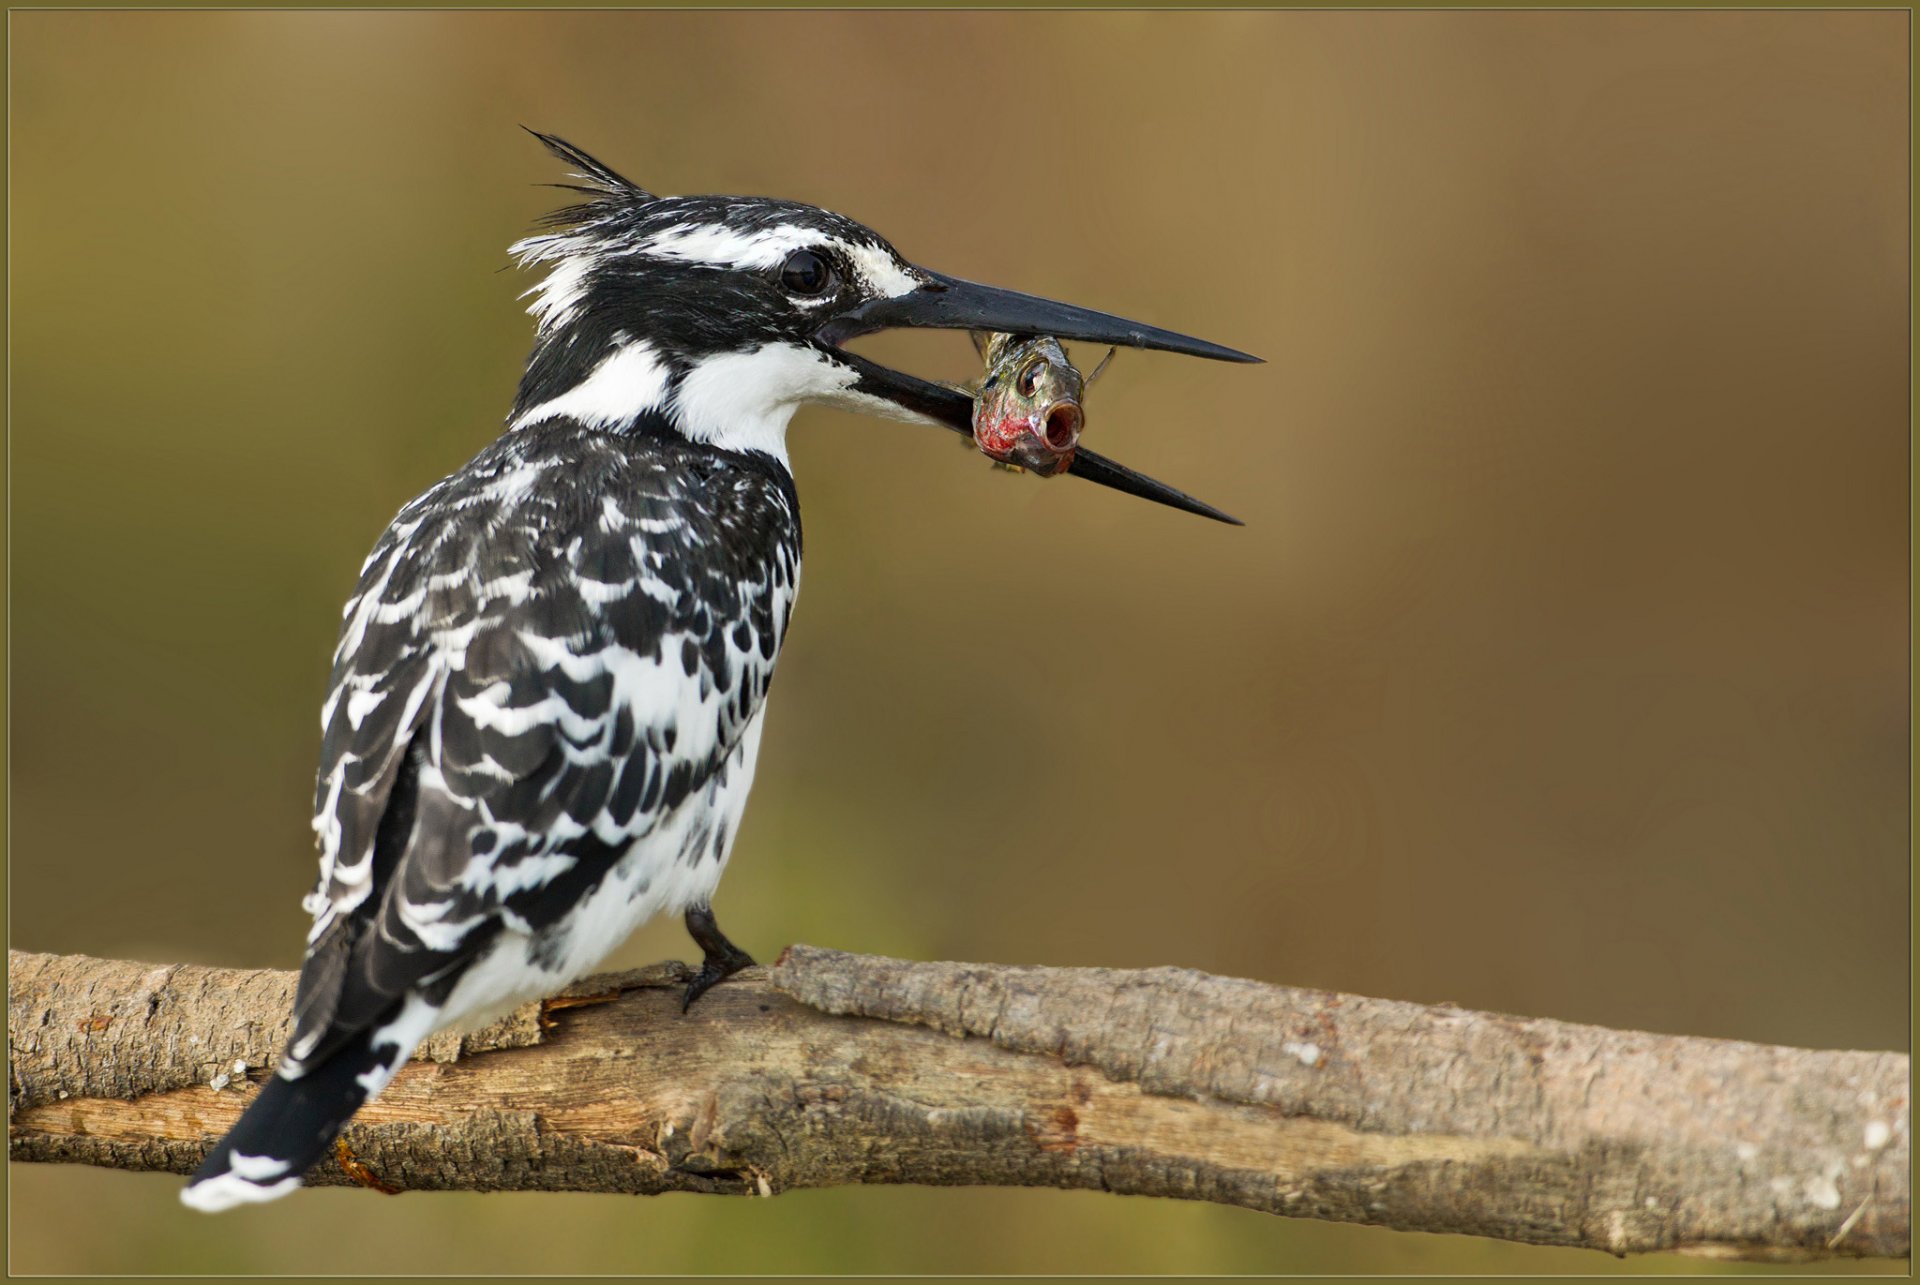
(1561,667)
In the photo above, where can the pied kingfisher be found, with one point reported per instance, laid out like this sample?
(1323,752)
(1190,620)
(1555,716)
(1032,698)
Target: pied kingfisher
(547,697)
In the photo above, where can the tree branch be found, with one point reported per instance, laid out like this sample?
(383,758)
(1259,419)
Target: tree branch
(832,1068)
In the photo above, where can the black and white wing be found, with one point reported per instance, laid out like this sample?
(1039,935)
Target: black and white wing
(521,693)
(540,729)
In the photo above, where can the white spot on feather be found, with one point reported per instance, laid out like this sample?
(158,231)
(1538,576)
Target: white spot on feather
(625,385)
(557,295)
(882,271)
(527,872)
(256,1168)
(229,1189)
(719,246)
(361,704)
(413,1023)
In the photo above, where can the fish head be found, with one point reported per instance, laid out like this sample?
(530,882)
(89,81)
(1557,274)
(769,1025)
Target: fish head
(1028,411)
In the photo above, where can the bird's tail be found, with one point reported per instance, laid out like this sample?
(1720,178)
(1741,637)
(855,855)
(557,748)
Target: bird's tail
(289,1126)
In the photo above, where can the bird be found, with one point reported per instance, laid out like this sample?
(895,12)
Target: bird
(546,702)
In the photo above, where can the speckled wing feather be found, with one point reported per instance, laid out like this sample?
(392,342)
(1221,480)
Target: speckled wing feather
(494,741)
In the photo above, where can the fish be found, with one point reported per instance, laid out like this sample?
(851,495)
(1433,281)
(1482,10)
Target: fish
(1027,411)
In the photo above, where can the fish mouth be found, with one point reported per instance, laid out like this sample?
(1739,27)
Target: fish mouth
(949,303)
(1041,440)
(1059,427)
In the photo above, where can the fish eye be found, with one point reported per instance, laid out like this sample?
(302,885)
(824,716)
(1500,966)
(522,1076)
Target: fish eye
(806,272)
(1030,377)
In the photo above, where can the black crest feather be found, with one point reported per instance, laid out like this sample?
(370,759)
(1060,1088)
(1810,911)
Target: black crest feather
(599,179)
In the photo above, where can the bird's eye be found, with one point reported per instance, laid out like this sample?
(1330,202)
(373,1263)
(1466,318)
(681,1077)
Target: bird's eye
(806,272)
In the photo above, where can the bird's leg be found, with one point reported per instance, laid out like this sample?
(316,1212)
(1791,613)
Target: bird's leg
(723,960)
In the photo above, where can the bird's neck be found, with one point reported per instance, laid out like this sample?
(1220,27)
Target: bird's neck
(734,401)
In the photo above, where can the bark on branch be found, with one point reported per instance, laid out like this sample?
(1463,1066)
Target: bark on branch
(832,1068)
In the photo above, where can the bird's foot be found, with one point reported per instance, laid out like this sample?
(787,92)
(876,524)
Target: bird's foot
(711,974)
(723,958)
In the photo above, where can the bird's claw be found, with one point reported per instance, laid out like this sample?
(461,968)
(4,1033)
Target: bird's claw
(715,970)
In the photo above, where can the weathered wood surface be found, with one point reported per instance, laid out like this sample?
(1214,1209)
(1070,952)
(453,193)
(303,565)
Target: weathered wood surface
(832,1068)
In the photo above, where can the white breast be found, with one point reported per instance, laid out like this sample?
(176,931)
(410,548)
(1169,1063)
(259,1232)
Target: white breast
(652,878)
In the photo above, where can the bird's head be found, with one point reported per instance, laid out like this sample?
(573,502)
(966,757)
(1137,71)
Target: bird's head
(718,316)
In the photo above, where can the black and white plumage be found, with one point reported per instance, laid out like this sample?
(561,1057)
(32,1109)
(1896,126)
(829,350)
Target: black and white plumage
(555,662)
(547,697)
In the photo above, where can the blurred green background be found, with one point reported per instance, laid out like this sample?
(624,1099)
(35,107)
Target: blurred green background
(1561,668)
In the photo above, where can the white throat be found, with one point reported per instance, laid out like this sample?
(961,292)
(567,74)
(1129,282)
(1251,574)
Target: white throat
(739,401)
(744,401)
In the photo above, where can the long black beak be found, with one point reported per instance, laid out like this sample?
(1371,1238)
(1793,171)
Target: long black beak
(948,303)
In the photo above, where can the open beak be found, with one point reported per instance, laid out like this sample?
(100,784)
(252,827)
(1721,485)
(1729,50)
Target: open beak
(948,303)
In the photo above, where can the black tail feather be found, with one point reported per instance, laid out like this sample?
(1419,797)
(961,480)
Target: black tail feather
(286,1130)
